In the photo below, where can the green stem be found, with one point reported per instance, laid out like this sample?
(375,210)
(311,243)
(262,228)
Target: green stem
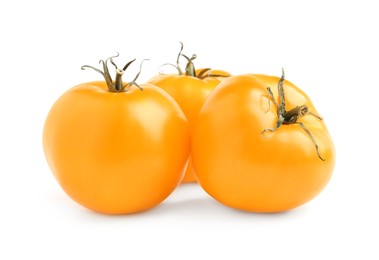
(190,67)
(291,116)
(115,86)
(118,82)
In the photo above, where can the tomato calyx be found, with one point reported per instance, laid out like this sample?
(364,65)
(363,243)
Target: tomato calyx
(190,67)
(117,85)
(290,117)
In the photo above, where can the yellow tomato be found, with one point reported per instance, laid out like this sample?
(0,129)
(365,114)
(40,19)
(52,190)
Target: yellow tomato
(245,167)
(190,90)
(116,151)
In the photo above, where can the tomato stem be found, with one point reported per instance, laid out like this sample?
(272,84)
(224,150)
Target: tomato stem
(118,81)
(116,85)
(290,117)
(190,67)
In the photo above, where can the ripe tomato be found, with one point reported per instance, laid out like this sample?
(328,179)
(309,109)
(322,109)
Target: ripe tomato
(115,150)
(244,166)
(190,91)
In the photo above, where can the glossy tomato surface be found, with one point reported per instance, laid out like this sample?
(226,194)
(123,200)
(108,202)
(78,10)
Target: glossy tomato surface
(190,93)
(245,169)
(116,153)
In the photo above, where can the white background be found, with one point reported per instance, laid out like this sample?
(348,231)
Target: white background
(330,49)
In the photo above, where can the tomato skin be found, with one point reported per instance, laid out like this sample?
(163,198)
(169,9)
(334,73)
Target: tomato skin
(116,153)
(190,93)
(243,169)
